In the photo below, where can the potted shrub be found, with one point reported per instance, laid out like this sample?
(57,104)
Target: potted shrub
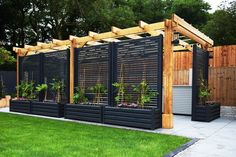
(84,108)
(128,113)
(26,94)
(205,110)
(42,88)
(53,108)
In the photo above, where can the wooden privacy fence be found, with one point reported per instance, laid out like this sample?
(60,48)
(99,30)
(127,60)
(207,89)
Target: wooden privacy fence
(222,73)
(183,60)
(181,77)
(224,56)
(222,82)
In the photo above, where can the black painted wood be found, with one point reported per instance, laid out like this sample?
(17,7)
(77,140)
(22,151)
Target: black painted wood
(133,117)
(50,109)
(22,106)
(141,59)
(207,113)
(200,68)
(43,68)
(92,67)
(91,113)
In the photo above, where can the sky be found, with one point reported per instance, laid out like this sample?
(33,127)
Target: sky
(215,3)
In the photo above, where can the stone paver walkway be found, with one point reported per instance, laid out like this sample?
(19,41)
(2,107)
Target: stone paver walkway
(217,138)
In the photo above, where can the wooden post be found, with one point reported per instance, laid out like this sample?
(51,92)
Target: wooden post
(72,49)
(167,116)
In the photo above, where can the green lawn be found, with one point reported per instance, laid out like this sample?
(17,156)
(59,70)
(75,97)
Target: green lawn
(23,136)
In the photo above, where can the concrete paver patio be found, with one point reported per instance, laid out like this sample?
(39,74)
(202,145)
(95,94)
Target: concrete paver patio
(216,139)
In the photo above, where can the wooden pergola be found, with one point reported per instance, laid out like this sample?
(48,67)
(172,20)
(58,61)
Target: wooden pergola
(178,36)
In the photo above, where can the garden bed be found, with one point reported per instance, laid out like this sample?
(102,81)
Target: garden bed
(133,117)
(22,106)
(91,113)
(51,109)
(207,113)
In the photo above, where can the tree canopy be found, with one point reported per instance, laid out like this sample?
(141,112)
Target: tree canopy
(221,26)
(28,21)
(7,62)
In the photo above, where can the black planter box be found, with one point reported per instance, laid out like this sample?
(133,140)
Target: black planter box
(207,113)
(91,113)
(133,117)
(22,106)
(50,109)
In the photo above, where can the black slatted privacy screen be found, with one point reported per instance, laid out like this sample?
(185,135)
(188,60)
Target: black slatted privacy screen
(30,68)
(200,70)
(141,59)
(91,67)
(44,67)
(56,66)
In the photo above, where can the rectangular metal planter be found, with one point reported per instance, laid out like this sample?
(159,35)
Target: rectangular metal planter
(133,117)
(207,113)
(50,109)
(22,106)
(91,113)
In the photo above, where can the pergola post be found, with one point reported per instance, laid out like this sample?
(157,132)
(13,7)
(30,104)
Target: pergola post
(72,72)
(167,116)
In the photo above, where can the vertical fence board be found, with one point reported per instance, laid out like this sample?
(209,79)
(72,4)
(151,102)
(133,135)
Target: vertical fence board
(222,73)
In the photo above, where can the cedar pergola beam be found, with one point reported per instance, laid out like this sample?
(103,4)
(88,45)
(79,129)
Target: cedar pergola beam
(43,47)
(93,34)
(180,48)
(61,42)
(187,33)
(92,43)
(111,40)
(117,33)
(133,36)
(181,26)
(117,30)
(185,45)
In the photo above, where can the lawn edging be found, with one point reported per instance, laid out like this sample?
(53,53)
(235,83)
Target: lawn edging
(182,148)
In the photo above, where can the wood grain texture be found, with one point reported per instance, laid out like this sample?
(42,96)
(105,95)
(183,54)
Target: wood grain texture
(222,82)
(168,76)
(72,71)
(222,73)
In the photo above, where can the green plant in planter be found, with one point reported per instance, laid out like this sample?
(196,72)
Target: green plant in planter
(98,89)
(120,87)
(204,92)
(128,98)
(144,93)
(79,96)
(58,87)
(120,97)
(26,89)
(42,88)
